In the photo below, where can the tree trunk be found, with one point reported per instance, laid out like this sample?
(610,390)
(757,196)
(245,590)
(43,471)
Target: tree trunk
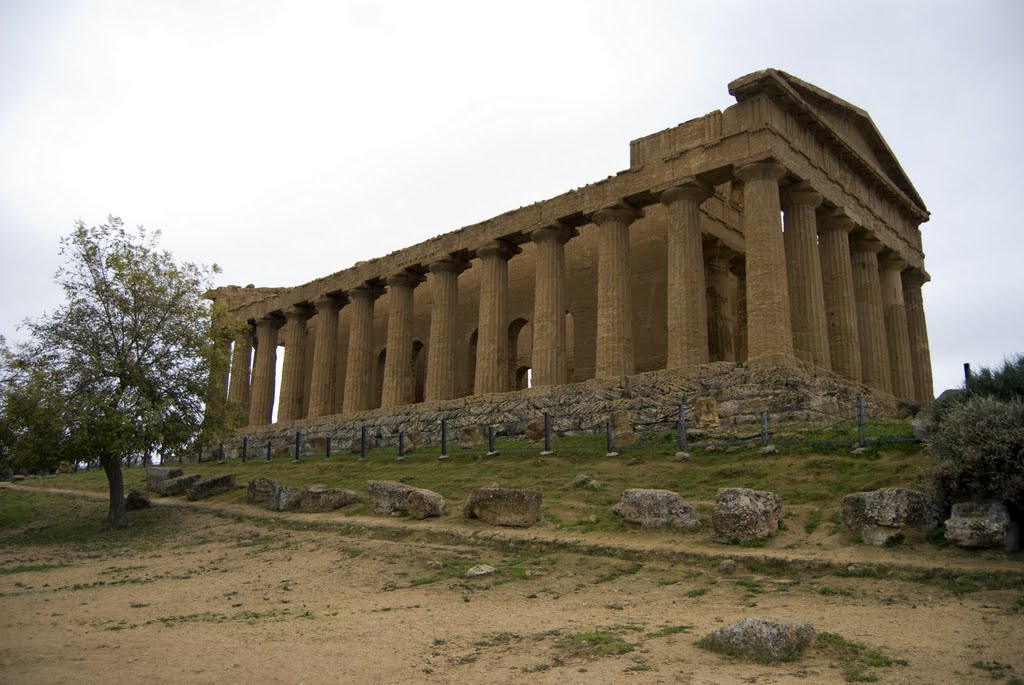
(117,515)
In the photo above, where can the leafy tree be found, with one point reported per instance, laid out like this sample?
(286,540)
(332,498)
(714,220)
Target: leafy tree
(130,353)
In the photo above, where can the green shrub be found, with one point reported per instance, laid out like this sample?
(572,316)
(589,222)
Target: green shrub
(979,450)
(1005,383)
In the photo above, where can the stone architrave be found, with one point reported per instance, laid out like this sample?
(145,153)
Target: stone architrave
(895,312)
(769,329)
(687,302)
(359,364)
(492,356)
(614,302)
(293,371)
(549,352)
(241,367)
(917,329)
(325,355)
(839,295)
(721,305)
(803,270)
(874,347)
(264,371)
(399,385)
(441,379)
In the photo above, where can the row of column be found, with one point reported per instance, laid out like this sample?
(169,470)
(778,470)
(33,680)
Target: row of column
(808,290)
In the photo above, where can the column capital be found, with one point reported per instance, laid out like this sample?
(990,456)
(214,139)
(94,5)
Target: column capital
(866,242)
(915,277)
(764,170)
(405,278)
(688,189)
(330,302)
(298,312)
(837,220)
(553,233)
(801,194)
(618,213)
(891,261)
(502,249)
(367,291)
(449,265)
(273,320)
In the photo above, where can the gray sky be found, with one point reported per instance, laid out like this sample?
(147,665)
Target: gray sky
(286,141)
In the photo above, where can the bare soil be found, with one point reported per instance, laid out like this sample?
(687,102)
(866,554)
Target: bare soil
(233,594)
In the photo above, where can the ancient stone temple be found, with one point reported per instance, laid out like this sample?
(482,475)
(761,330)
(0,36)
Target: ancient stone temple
(780,234)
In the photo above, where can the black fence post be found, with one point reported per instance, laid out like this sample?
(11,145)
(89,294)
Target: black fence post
(362,442)
(220,456)
(245,448)
(444,439)
(547,434)
(298,438)
(764,429)
(681,428)
(199,455)
(861,428)
(491,452)
(327,446)
(609,452)
(401,446)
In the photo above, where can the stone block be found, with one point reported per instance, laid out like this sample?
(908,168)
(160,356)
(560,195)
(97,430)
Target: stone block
(745,514)
(888,514)
(157,474)
(657,509)
(979,525)
(260,490)
(390,496)
(472,436)
(504,506)
(762,639)
(706,410)
(174,486)
(208,487)
(326,499)
(136,499)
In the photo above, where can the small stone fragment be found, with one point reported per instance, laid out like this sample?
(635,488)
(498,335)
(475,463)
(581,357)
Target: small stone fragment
(480,570)
(653,508)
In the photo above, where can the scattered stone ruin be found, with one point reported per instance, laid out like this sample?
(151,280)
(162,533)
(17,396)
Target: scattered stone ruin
(767,256)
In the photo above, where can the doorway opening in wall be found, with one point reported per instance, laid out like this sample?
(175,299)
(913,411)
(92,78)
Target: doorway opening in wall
(278,372)
(524,378)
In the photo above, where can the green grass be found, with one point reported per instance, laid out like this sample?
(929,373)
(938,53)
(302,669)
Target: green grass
(855,658)
(804,472)
(670,630)
(630,570)
(593,643)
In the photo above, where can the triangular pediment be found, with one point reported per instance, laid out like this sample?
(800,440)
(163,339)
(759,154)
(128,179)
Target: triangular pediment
(833,119)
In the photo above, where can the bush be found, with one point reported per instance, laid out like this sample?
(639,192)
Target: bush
(979,449)
(1006,383)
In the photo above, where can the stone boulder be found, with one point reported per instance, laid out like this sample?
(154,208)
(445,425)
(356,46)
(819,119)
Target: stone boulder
(889,514)
(208,487)
(284,497)
(260,490)
(762,639)
(975,525)
(657,509)
(136,499)
(504,506)
(534,430)
(622,430)
(155,475)
(706,411)
(745,514)
(390,496)
(172,487)
(472,436)
(327,499)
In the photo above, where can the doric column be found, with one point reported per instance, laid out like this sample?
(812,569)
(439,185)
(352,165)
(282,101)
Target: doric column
(874,347)
(738,266)
(838,294)
(896,332)
(492,320)
(768,322)
(721,305)
(614,305)
(917,329)
(325,355)
(293,371)
(687,302)
(264,371)
(241,365)
(549,362)
(399,382)
(803,271)
(444,291)
(359,365)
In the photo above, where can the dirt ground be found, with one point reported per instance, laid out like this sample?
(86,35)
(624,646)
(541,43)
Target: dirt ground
(239,595)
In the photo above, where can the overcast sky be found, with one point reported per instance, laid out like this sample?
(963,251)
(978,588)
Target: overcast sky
(286,141)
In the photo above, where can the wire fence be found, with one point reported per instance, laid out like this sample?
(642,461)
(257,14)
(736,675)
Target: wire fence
(681,431)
